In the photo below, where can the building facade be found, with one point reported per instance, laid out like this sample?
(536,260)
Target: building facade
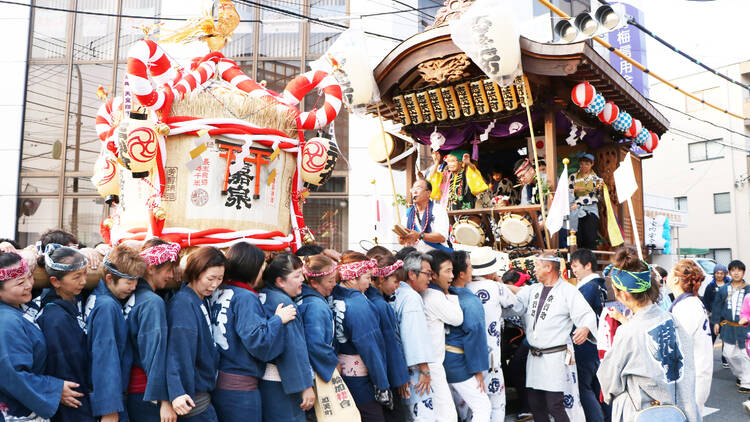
(705,167)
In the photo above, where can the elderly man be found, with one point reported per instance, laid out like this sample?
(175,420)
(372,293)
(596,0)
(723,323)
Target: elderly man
(415,338)
(441,308)
(550,310)
(524,171)
(426,221)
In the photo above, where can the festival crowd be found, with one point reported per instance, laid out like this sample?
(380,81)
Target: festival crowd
(425,334)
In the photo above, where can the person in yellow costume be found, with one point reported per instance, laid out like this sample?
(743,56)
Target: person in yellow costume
(458,183)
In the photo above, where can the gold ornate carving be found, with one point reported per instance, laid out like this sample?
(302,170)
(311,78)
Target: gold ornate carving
(448,69)
(452,10)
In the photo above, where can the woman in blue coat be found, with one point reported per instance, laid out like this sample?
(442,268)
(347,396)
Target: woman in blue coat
(360,344)
(287,385)
(25,392)
(245,337)
(64,329)
(320,279)
(148,399)
(192,359)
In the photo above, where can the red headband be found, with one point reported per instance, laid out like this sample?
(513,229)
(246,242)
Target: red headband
(526,163)
(159,254)
(14,272)
(308,273)
(354,270)
(387,270)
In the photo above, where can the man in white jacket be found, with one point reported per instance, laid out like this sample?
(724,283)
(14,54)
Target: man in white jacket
(441,308)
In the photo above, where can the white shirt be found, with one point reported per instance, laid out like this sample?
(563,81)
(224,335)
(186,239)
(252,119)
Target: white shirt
(586,279)
(440,224)
(440,309)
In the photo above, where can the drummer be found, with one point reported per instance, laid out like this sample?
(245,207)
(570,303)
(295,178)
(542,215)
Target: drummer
(584,211)
(501,188)
(426,221)
(528,192)
(458,184)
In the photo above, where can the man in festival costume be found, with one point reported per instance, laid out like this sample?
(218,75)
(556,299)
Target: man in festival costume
(426,221)
(459,183)
(415,337)
(441,308)
(501,188)
(594,290)
(725,316)
(109,348)
(524,171)
(584,212)
(551,308)
(147,331)
(64,330)
(499,302)
(466,358)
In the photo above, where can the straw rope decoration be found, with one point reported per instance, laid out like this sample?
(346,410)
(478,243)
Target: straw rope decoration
(639,66)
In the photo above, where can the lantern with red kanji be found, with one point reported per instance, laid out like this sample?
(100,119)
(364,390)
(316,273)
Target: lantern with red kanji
(583,94)
(609,113)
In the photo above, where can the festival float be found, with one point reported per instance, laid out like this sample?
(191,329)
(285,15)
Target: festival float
(205,155)
(470,83)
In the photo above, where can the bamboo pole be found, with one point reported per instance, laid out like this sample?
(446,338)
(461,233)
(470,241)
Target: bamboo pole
(538,175)
(390,170)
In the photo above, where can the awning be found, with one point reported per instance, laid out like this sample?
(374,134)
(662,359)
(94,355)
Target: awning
(693,251)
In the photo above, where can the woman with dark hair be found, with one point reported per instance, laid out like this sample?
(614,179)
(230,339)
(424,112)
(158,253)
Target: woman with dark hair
(148,398)
(26,394)
(192,358)
(245,337)
(320,279)
(64,329)
(385,280)
(684,280)
(360,340)
(651,358)
(286,387)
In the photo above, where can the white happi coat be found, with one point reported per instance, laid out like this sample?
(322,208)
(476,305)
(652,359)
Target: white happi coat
(564,307)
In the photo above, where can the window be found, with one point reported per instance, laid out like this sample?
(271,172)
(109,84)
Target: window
(709,95)
(721,255)
(722,204)
(680,203)
(705,150)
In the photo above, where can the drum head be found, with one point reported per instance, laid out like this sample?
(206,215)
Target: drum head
(516,230)
(467,232)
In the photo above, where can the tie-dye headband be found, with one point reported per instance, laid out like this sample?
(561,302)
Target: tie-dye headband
(66,268)
(354,270)
(387,271)
(306,270)
(19,270)
(159,254)
(631,281)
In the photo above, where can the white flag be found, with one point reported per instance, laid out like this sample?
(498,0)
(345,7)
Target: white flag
(560,204)
(625,182)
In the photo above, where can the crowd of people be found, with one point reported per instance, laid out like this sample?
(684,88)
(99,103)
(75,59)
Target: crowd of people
(300,336)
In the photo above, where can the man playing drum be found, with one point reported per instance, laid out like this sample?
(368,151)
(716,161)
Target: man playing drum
(426,221)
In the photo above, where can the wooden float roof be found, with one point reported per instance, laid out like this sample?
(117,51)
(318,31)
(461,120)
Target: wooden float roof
(571,63)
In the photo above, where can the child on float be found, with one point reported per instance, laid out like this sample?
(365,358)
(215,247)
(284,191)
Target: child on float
(385,280)
(110,351)
(245,337)
(26,394)
(192,358)
(286,388)
(320,279)
(148,399)
(360,344)
(64,329)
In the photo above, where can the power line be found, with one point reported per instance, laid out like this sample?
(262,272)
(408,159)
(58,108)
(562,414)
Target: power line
(699,119)
(414,9)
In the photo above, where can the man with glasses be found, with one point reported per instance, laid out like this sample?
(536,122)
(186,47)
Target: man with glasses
(415,338)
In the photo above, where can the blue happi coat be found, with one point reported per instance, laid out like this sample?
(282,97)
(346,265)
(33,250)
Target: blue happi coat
(318,321)
(147,330)
(110,351)
(64,332)
(293,363)
(471,336)
(398,374)
(358,333)
(23,358)
(192,358)
(245,338)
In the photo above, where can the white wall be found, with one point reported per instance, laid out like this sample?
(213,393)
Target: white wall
(14,28)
